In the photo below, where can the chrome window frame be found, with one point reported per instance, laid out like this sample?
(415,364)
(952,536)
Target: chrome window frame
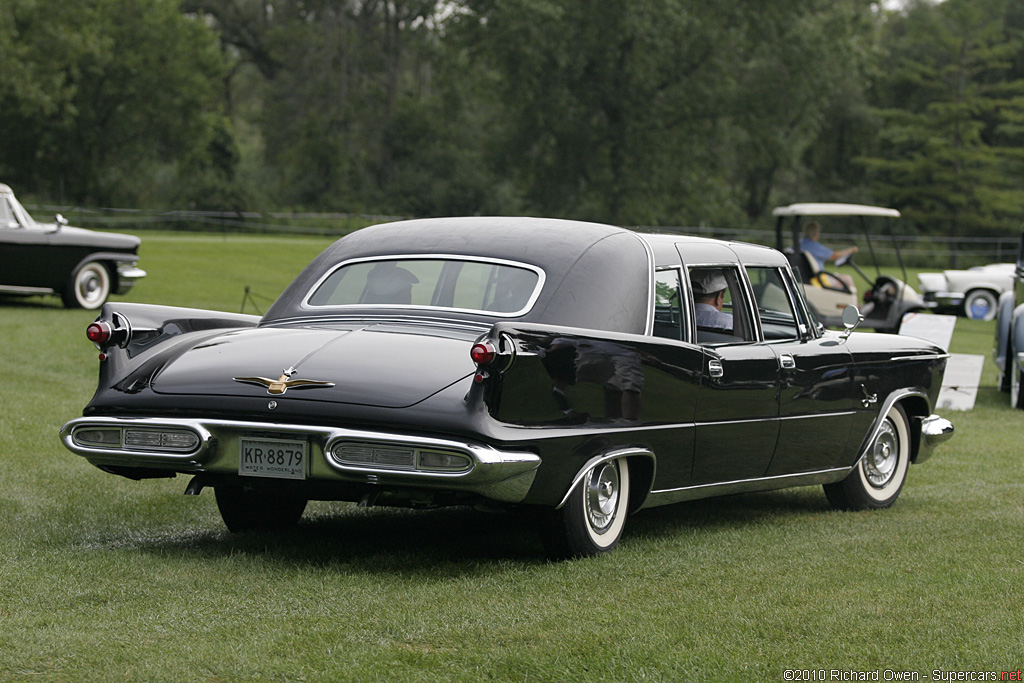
(538,288)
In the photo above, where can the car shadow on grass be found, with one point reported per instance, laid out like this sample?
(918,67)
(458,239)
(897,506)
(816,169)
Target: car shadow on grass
(461,539)
(40,302)
(378,539)
(711,515)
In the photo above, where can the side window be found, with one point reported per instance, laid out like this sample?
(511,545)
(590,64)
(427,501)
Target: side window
(778,320)
(668,305)
(718,306)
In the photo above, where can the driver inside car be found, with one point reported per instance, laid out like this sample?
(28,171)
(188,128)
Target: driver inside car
(822,254)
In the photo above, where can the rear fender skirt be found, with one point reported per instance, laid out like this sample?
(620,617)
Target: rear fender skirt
(628,452)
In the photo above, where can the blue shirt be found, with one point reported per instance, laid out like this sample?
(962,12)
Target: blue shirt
(819,251)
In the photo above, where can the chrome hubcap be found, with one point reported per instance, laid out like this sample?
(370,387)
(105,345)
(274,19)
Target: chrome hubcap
(880,464)
(602,496)
(90,286)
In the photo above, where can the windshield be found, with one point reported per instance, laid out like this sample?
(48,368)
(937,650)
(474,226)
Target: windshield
(13,215)
(447,282)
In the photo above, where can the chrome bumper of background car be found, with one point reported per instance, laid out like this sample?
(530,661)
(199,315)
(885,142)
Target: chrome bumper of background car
(127,274)
(499,475)
(944,299)
(934,430)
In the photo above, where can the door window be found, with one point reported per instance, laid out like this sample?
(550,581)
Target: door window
(668,306)
(718,306)
(774,305)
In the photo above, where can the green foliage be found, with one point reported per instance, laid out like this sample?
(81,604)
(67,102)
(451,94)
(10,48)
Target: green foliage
(656,112)
(952,146)
(104,90)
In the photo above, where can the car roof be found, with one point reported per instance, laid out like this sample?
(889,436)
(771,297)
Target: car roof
(695,250)
(829,209)
(610,264)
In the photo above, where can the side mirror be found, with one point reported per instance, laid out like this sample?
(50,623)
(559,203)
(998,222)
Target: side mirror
(60,221)
(851,320)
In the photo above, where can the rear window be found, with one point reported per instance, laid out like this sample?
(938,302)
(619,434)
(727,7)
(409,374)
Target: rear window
(500,288)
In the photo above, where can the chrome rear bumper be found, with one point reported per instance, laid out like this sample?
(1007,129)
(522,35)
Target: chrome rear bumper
(495,474)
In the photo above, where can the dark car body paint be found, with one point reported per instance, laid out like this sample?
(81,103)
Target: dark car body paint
(409,371)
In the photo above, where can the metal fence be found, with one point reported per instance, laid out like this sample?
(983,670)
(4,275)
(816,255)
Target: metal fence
(921,251)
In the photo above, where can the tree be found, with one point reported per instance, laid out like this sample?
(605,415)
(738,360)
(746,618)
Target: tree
(950,149)
(104,91)
(663,111)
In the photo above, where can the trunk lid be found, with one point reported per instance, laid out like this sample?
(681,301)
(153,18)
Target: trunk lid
(389,366)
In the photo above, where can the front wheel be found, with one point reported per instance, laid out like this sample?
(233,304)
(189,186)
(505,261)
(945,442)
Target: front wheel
(591,521)
(878,478)
(256,510)
(88,287)
(980,304)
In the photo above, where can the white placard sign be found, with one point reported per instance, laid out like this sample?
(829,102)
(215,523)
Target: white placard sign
(960,382)
(938,329)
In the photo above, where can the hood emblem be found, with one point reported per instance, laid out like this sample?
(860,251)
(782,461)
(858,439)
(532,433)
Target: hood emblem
(283,383)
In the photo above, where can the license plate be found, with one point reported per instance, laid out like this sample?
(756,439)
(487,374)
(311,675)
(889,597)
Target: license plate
(280,458)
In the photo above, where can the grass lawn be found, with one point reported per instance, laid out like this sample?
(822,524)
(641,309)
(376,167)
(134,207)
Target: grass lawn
(105,579)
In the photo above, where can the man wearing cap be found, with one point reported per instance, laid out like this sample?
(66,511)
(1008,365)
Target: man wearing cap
(709,287)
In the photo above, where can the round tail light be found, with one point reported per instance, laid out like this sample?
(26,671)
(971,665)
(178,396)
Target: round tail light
(483,353)
(99,332)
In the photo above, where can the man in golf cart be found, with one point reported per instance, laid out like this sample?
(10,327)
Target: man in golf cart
(886,300)
(811,244)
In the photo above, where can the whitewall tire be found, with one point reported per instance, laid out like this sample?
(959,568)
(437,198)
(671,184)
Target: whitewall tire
(878,477)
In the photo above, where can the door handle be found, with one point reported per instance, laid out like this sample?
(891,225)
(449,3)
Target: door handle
(787,362)
(715,368)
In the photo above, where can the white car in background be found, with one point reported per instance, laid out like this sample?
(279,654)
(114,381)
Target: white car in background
(973,293)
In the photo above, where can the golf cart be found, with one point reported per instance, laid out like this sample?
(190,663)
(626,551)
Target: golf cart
(886,300)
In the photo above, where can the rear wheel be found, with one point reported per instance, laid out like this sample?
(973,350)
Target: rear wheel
(592,519)
(255,510)
(88,287)
(980,304)
(878,478)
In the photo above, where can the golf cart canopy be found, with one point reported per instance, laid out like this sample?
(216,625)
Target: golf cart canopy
(825,209)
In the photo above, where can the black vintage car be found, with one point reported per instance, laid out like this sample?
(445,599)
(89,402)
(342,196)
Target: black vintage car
(578,370)
(82,266)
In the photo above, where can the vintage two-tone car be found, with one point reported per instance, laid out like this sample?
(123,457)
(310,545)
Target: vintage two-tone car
(973,292)
(82,266)
(579,370)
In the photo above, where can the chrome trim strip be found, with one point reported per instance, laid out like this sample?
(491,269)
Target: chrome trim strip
(496,474)
(777,418)
(927,356)
(357,320)
(676,495)
(651,267)
(538,288)
(597,460)
(25,290)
